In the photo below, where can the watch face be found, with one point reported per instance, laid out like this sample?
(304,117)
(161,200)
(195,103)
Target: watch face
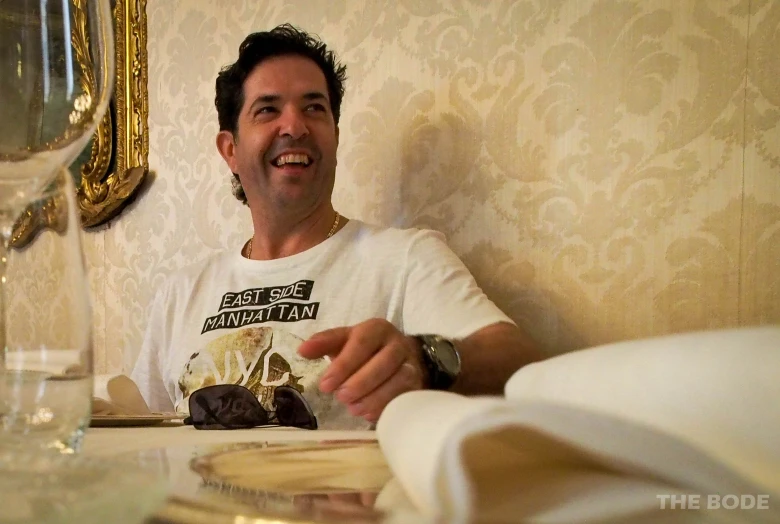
(448,356)
(442,360)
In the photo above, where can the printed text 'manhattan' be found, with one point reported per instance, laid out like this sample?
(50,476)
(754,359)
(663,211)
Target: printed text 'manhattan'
(280,312)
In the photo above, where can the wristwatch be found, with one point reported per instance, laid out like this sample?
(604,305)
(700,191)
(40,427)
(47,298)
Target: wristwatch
(441,359)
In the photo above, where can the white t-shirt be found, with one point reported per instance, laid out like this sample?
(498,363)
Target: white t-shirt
(234,320)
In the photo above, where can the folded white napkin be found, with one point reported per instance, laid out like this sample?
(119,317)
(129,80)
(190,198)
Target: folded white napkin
(602,434)
(117,395)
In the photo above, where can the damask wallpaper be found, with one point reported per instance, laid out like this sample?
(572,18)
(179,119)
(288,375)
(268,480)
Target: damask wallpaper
(608,169)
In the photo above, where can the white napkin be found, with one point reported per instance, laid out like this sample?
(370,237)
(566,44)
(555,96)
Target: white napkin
(601,434)
(117,395)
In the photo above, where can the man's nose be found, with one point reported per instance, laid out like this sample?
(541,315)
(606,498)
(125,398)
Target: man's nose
(293,124)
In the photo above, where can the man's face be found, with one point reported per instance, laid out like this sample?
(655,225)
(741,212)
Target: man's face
(285,148)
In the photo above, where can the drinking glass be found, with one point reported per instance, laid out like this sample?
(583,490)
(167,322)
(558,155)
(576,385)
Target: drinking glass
(56,78)
(46,386)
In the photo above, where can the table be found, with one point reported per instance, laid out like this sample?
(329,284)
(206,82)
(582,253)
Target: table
(172,448)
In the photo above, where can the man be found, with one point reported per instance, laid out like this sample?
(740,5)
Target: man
(349,314)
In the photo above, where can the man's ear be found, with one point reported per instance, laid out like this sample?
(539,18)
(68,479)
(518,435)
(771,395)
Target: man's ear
(226,147)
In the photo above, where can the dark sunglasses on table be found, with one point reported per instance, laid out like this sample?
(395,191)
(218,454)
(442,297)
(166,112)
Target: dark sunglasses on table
(230,406)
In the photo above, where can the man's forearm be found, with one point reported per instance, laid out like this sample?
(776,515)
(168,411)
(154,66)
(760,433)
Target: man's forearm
(491,356)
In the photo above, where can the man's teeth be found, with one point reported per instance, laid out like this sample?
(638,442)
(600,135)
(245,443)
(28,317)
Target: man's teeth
(293,159)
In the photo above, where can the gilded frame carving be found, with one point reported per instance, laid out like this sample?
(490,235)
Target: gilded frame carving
(118,162)
(103,191)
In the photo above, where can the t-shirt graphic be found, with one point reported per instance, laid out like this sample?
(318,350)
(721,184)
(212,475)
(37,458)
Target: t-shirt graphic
(260,359)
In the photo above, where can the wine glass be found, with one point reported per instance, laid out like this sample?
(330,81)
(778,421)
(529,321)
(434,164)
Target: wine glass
(46,385)
(56,78)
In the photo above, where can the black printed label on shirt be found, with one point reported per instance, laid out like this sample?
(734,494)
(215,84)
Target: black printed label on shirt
(263,296)
(272,310)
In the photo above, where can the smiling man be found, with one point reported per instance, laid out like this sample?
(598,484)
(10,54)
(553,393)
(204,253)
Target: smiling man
(350,314)
(281,143)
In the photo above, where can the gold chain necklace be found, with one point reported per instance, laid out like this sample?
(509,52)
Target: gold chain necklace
(330,234)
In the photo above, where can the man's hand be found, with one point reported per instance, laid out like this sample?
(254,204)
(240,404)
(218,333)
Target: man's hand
(372,363)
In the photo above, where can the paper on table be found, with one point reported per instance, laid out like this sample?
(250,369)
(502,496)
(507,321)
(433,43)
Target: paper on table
(541,457)
(116,395)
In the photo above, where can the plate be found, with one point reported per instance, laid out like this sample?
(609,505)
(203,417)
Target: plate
(109,421)
(303,468)
(285,482)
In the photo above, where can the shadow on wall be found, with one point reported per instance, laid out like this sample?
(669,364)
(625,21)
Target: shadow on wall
(448,182)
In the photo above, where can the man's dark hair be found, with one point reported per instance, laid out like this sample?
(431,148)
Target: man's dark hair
(257,47)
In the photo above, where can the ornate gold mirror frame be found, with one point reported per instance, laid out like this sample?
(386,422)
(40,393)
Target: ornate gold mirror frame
(118,163)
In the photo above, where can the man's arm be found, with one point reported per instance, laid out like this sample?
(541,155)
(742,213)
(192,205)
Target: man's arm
(373,362)
(490,357)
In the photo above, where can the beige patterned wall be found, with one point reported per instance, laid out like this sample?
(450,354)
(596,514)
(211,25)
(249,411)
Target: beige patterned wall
(607,169)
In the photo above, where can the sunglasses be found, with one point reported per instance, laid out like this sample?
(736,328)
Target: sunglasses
(230,406)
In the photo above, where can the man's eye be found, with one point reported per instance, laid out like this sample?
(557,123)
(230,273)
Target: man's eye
(316,107)
(266,109)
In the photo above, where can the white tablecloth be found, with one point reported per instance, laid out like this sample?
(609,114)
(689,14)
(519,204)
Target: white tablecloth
(115,440)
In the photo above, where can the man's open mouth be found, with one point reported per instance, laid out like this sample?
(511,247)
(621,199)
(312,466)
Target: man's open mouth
(293,159)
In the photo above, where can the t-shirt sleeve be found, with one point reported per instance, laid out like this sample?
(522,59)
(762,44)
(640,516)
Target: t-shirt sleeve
(148,371)
(441,295)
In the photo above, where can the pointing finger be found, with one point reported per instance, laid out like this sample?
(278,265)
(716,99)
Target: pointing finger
(327,342)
